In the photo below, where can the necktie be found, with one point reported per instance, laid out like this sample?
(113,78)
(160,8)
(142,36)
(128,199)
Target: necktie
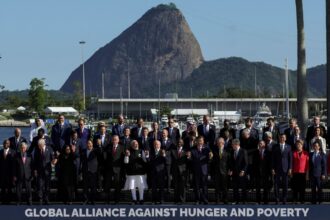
(220,153)
(282,148)
(24,159)
(235,154)
(114,150)
(179,153)
(171,130)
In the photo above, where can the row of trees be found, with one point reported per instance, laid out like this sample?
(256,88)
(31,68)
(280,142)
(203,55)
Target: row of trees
(37,97)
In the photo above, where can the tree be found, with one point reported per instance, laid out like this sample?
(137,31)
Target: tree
(78,99)
(302,105)
(37,94)
(328,59)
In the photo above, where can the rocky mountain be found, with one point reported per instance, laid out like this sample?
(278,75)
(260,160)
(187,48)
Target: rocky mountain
(159,46)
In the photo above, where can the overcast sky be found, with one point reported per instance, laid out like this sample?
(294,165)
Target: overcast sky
(39,38)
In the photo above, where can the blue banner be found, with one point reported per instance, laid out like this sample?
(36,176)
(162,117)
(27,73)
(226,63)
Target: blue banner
(314,212)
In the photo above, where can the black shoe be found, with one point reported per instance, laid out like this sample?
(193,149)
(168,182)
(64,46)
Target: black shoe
(134,202)
(46,202)
(141,202)
(18,203)
(93,203)
(85,202)
(29,203)
(40,202)
(196,203)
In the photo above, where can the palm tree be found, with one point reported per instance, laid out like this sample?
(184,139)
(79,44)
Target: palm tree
(302,105)
(328,59)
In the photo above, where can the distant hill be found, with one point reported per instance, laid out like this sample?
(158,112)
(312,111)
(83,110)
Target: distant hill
(161,46)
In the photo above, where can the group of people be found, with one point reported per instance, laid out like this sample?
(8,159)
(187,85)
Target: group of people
(163,160)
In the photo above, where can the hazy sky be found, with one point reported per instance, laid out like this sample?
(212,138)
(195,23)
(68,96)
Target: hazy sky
(39,38)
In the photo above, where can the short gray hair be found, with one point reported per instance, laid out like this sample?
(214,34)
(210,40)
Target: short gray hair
(269,134)
(236,141)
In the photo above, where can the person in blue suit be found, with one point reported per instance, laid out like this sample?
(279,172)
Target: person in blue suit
(200,157)
(281,168)
(61,132)
(317,172)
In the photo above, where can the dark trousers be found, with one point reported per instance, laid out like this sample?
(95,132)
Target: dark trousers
(67,193)
(43,182)
(6,194)
(179,186)
(239,182)
(168,176)
(263,182)
(316,184)
(113,180)
(90,184)
(200,188)
(298,186)
(281,181)
(19,189)
(157,185)
(221,186)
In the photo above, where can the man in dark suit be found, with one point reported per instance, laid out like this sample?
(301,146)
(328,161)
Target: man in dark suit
(84,133)
(60,133)
(253,133)
(272,129)
(281,167)
(126,140)
(155,133)
(103,136)
(7,157)
(238,169)
(137,131)
(311,130)
(89,165)
(173,132)
(289,132)
(200,157)
(23,174)
(317,172)
(262,170)
(179,172)
(75,142)
(16,140)
(118,129)
(167,145)
(221,163)
(114,162)
(144,141)
(226,127)
(207,131)
(157,162)
(41,135)
(44,159)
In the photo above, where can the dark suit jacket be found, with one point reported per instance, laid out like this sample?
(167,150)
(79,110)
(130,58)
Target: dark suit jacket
(275,133)
(34,143)
(168,147)
(262,166)
(232,132)
(240,163)
(175,135)
(145,144)
(208,138)
(250,145)
(118,130)
(60,136)
(135,133)
(7,168)
(114,162)
(125,142)
(179,163)
(157,164)
(107,139)
(23,171)
(84,136)
(221,165)
(288,135)
(281,161)
(200,161)
(42,164)
(89,164)
(152,136)
(14,144)
(317,166)
(254,134)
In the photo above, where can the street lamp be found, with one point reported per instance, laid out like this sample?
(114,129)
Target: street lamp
(83,73)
